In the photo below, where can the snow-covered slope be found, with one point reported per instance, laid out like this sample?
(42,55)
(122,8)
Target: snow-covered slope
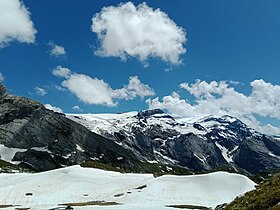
(201,143)
(134,191)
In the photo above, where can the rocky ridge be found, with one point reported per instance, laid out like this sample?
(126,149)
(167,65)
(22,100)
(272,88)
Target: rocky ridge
(199,144)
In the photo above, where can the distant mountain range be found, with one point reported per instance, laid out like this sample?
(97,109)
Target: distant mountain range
(200,144)
(35,137)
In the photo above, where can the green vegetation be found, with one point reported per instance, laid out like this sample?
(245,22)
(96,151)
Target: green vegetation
(265,175)
(158,169)
(7,167)
(99,165)
(140,187)
(189,207)
(266,196)
(140,167)
(92,203)
(5,206)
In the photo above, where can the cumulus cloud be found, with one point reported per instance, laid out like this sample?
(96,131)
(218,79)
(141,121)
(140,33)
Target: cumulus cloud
(90,90)
(139,31)
(219,98)
(76,108)
(41,91)
(15,23)
(96,91)
(53,108)
(1,78)
(56,50)
(134,89)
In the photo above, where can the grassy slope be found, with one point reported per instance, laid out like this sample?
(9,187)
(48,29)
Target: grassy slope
(265,197)
(7,167)
(140,167)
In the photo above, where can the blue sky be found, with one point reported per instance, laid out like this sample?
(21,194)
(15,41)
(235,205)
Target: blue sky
(232,48)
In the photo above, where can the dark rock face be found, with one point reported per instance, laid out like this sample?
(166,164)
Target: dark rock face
(254,156)
(196,153)
(148,113)
(27,124)
(36,160)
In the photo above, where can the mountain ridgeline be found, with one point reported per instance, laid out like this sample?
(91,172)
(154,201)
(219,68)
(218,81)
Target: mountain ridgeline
(40,139)
(199,144)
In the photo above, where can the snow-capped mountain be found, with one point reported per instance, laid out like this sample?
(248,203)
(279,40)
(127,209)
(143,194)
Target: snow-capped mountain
(202,143)
(35,137)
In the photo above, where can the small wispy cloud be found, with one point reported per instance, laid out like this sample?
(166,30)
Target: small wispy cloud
(56,50)
(2,78)
(60,71)
(53,108)
(76,108)
(40,91)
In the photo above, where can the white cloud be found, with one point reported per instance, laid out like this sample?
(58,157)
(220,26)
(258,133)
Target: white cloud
(53,108)
(89,90)
(139,31)
(56,50)
(76,108)
(60,71)
(134,89)
(202,89)
(40,91)
(176,106)
(218,98)
(15,23)
(2,78)
(95,91)
(58,87)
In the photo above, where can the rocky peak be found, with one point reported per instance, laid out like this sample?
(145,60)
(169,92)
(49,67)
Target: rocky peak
(3,90)
(148,113)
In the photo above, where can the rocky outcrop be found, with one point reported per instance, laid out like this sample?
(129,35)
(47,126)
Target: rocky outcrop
(51,140)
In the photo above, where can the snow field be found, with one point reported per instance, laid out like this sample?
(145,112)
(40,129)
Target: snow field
(135,191)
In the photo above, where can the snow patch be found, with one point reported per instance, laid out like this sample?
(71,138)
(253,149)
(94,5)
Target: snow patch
(7,153)
(71,184)
(273,155)
(203,159)
(79,148)
(225,153)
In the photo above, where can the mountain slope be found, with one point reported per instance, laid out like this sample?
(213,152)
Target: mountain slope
(40,139)
(200,144)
